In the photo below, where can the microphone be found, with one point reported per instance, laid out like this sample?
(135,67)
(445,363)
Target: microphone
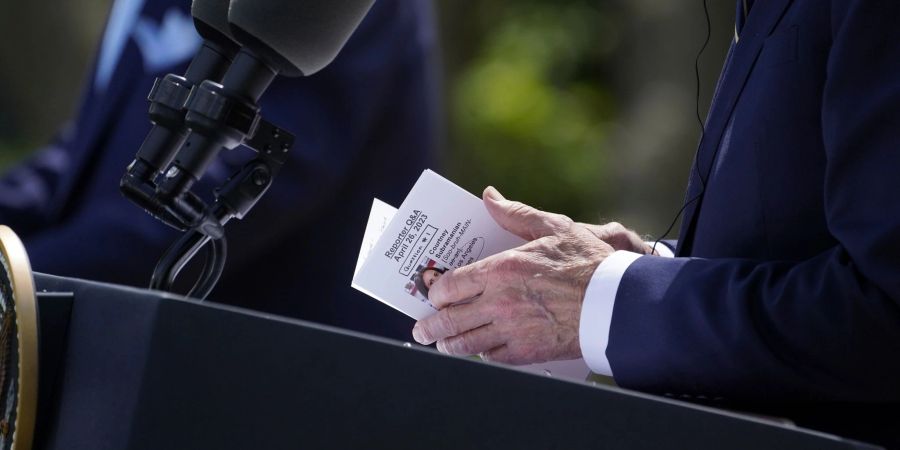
(278,37)
(211,22)
(167,98)
(296,37)
(209,108)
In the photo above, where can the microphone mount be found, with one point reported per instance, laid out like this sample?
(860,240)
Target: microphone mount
(194,117)
(214,106)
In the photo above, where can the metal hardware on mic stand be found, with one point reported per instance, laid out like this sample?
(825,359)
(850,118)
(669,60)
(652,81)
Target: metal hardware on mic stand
(211,116)
(215,106)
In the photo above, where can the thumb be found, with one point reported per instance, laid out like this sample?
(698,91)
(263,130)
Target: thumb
(522,220)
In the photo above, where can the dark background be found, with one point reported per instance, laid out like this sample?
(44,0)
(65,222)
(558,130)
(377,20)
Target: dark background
(580,107)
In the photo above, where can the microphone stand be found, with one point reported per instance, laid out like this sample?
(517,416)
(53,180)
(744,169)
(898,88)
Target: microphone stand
(248,43)
(233,200)
(213,116)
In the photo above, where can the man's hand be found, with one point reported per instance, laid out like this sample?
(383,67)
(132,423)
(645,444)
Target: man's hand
(620,238)
(523,305)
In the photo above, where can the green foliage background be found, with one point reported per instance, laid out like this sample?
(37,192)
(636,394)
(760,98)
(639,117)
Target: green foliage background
(576,106)
(580,107)
(530,110)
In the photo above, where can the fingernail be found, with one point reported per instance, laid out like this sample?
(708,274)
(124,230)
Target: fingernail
(493,194)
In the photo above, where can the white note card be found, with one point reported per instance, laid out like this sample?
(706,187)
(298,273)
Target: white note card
(439,227)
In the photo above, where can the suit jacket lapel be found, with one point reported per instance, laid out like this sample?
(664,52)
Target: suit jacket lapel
(742,58)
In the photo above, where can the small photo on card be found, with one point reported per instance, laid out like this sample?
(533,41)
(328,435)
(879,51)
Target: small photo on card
(423,277)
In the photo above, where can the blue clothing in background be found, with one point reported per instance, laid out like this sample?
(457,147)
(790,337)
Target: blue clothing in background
(365,128)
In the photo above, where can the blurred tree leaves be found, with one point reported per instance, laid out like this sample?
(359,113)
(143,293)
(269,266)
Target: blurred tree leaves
(530,112)
(11,152)
(583,107)
(577,106)
(45,50)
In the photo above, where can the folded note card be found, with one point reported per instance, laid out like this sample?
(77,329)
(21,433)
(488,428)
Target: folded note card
(439,227)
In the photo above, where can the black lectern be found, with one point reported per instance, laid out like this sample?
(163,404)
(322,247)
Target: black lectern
(125,368)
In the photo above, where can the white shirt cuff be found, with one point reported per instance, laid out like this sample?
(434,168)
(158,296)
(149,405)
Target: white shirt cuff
(597,309)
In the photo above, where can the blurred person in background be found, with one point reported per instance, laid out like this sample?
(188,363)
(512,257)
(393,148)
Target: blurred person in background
(365,126)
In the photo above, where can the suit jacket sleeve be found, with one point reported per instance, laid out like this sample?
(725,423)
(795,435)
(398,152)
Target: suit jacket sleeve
(824,328)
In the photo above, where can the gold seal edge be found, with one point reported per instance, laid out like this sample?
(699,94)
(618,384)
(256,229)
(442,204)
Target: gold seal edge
(26,322)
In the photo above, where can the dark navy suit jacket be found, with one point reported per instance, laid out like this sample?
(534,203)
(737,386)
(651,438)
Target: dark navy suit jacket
(364,125)
(787,282)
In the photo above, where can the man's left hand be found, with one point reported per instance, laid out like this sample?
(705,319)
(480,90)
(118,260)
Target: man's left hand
(523,305)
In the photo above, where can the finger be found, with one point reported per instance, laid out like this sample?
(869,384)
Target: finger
(619,237)
(472,342)
(459,284)
(599,231)
(500,354)
(450,321)
(523,220)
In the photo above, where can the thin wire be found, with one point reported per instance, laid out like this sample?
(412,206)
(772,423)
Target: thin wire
(697,91)
(702,132)
(213,267)
(175,258)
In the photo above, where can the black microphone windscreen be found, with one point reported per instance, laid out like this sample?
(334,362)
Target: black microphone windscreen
(211,21)
(298,37)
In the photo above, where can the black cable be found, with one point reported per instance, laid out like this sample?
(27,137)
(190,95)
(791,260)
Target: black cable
(209,257)
(216,254)
(696,165)
(158,281)
(175,258)
(697,91)
(181,253)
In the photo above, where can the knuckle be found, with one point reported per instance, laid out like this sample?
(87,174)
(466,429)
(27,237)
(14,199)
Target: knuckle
(507,265)
(616,227)
(439,292)
(547,245)
(610,230)
(509,262)
(559,223)
(463,345)
(601,232)
(538,253)
(425,330)
(448,346)
(505,307)
(446,287)
(520,209)
(447,322)
(452,346)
